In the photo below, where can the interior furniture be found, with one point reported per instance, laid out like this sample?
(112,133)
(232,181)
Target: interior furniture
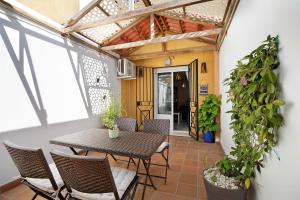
(159,127)
(136,145)
(43,179)
(177,114)
(88,178)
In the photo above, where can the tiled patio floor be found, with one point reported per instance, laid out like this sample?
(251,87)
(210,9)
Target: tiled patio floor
(184,176)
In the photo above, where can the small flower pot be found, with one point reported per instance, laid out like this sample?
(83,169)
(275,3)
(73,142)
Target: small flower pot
(217,193)
(209,136)
(113,133)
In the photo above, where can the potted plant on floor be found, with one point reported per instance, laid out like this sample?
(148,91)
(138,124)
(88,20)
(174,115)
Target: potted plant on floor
(208,113)
(255,121)
(108,118)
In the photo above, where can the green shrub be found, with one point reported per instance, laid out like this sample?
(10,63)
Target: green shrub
(255,115)
(208,113)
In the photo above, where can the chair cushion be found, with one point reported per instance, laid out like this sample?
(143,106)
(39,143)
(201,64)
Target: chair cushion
(162,147)
(122,177)
(44,183)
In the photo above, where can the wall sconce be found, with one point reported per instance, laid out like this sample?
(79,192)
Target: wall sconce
(203,68)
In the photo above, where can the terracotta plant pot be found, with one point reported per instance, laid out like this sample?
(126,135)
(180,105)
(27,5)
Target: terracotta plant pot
(217,193)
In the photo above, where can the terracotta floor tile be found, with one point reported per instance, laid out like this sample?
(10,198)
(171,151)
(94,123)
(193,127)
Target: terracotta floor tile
(187,190)
(158,195)
(189,179)
(185,179)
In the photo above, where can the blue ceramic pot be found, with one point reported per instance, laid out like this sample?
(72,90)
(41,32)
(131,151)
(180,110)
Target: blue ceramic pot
(209,136)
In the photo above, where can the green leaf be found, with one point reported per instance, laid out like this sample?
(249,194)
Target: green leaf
(278,102)
(247,183)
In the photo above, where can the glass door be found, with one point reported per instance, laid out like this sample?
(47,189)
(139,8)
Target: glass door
(170,91)
(163,95)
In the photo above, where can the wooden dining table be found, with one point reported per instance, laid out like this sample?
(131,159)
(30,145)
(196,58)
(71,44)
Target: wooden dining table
(130,144)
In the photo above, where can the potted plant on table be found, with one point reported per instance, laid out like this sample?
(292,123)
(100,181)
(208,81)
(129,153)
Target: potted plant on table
(208,113)
(255,121)
(108,118)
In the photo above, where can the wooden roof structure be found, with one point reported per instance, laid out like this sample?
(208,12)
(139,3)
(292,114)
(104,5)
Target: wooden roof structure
(119,31)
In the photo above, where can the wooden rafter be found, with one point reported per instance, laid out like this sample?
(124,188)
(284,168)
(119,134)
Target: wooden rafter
(181,26)
(230,10)
(82,12)
(164,22)
(152,31)
(133,14)
(124,30)
(171,53)
(164,39)
(204,39)
(148,3)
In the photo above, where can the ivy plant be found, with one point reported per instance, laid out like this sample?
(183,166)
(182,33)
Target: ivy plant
(255,115)
(208,112)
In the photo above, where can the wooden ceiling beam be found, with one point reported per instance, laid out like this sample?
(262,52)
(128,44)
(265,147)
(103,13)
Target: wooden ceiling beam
(204,39)
(164,39)
(181,26)
(171,53)
(124,30)
(133,14)
(82,13)
(230,10)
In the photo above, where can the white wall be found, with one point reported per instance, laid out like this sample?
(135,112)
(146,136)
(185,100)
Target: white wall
(253,21)
(47,87)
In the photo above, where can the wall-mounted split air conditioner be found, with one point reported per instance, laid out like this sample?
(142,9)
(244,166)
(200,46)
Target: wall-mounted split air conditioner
(126,69)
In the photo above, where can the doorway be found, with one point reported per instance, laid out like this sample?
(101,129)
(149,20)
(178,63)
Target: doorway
(171,98)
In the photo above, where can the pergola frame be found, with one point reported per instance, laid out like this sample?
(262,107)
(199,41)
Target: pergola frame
(72,27)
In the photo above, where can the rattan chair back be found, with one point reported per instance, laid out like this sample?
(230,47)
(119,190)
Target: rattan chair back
(126,124)
(85,174)
(30,162)
(159,126)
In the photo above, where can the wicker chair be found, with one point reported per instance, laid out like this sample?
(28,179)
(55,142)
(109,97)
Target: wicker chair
(125,124)
(91,178)
(40,177)
(159,126)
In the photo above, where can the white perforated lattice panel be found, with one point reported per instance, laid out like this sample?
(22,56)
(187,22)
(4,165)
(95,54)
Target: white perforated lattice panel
(208,11)
(97,82)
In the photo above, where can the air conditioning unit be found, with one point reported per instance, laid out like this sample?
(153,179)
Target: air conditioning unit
(126,69)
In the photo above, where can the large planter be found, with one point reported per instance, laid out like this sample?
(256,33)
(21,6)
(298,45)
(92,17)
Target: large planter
(217,193)
(209,136)
(113,133)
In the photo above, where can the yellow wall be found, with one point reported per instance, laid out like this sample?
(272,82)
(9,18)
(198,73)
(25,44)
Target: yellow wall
(58,10)
(128,88)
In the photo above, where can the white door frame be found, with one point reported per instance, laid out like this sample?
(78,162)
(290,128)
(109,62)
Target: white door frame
(166,116)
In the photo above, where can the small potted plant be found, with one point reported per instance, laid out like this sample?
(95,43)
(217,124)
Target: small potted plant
(208,113)
(108,118)
(255,121)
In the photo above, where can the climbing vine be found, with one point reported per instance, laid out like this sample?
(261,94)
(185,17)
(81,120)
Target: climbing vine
(255,115)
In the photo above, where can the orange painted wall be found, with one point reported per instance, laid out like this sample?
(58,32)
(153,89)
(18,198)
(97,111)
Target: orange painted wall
(128,88)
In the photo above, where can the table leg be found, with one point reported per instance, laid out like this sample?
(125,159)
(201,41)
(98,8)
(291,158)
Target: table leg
(147,166)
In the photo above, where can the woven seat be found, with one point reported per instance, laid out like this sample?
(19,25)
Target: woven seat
(35,172)
(45,184)
(91,178)
(122,178)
